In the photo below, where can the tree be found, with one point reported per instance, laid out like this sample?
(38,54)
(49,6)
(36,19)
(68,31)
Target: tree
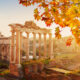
(66,13)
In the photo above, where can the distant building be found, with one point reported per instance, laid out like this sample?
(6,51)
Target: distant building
(4,47)
(61,47)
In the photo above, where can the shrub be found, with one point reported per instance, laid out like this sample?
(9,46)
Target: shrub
(46,61)
(4,64)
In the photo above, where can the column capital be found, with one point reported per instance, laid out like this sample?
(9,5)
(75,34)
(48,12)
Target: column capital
(39,33)
(17,31)
(34,32)
(13,31)
(45,34)
(27,33)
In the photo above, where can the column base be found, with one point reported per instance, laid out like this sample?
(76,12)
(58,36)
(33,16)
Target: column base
(16,70)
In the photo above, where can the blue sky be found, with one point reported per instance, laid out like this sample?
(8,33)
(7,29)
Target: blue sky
(12,12)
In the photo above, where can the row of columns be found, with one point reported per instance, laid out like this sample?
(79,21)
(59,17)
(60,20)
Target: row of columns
(19,46)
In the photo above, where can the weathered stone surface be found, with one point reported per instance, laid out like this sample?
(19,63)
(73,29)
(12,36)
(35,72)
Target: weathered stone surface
(16,70)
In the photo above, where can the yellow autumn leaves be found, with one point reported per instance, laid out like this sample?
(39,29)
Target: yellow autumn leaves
(66,13)
(73,11)
(36,14)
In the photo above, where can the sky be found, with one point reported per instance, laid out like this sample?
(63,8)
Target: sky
(13,12)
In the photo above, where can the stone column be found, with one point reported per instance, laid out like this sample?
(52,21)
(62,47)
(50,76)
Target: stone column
(50,54)
(34,45)
(45,46)
(21,46)
(39,45)
(12,47)
(17,47)
(8,53)
(27,47)
(15,67)
(3,51)
(0,51)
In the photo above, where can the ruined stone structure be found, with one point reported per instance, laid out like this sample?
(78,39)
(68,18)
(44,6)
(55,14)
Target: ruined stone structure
(11,47)
(28,27)
(4,47)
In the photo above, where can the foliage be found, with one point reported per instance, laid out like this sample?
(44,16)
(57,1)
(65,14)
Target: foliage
(30,62)
(66,13)
(4,72)
(46,61)
(68,43)
(4,64)
(23,78)
(57,33)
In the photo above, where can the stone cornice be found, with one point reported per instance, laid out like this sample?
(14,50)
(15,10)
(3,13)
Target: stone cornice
(29,27)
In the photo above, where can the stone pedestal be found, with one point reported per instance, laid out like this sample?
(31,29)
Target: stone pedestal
(16,70)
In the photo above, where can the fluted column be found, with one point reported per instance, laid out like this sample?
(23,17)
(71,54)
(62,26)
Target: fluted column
(50,54)
(17,47)
(34,45)
(45,46)
(27,47)
(12,47)
(39,45)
